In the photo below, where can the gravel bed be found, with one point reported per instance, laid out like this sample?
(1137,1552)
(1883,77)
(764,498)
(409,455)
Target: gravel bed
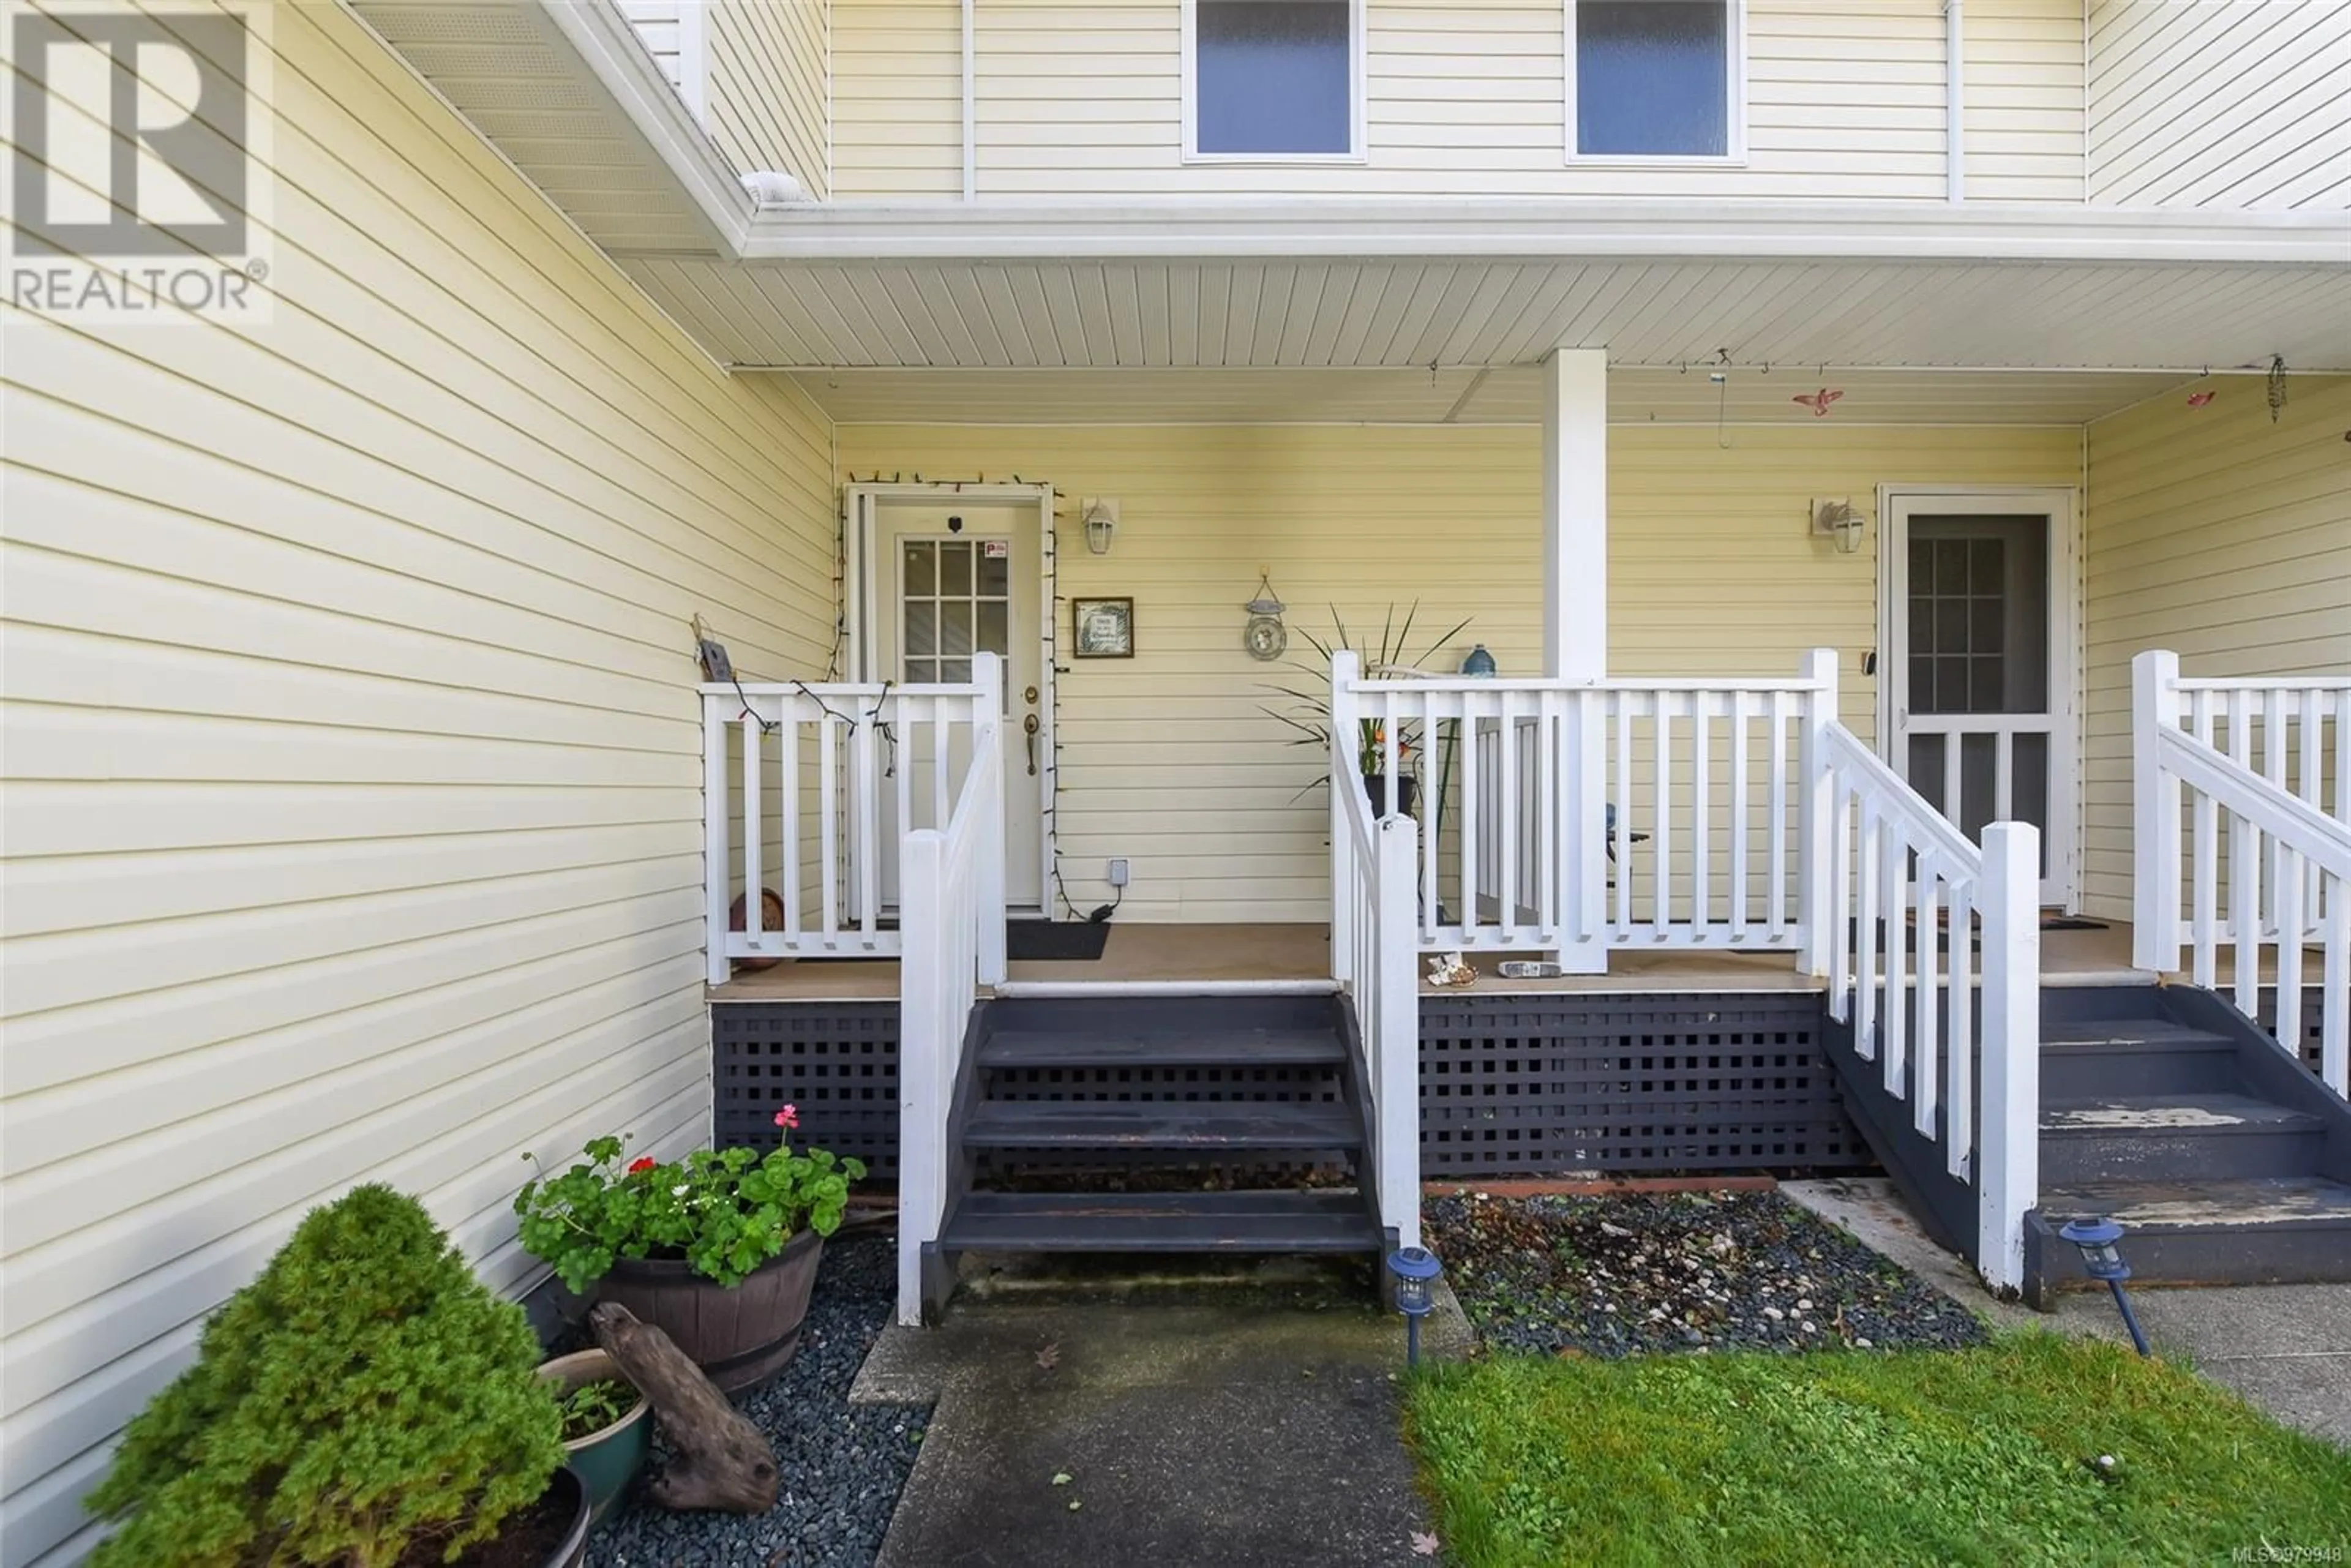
(1613,1276)
(843,1464)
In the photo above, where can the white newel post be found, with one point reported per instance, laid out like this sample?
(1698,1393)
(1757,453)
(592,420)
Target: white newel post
(1344,894)
(1816,905)
(2008,1175)
(1395,1102)
(714,870)
(987,751)
(2155,814)
(924,987)
(1576,629)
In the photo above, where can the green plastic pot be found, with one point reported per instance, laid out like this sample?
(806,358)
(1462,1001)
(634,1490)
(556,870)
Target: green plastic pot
(609,1459)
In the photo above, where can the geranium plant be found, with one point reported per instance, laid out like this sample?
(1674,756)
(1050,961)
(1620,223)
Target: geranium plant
(724,1211)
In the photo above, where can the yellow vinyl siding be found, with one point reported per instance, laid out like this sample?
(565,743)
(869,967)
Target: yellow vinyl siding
(897,98)
(2221,103)
(354,800)
(769,81)
(2023,101)
(1462,97)
(1168,759)
(2223,537)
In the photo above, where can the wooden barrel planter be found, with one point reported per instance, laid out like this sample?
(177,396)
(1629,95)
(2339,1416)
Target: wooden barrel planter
(771,918)
(740,1337)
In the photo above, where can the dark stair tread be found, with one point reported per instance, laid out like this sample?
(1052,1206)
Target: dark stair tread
(2091,1034)
(1268,1221)
(1144,1048)
(2186,1113)
(1162,1124)
(2204,1203)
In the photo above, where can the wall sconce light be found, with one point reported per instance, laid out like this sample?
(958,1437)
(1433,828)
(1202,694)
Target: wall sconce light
(1841,521)
(1101,524)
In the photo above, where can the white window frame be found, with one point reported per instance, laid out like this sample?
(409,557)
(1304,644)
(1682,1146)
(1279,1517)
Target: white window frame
(1734,153)
(1358,140)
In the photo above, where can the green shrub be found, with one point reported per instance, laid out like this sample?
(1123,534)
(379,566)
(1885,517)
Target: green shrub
(366,1393)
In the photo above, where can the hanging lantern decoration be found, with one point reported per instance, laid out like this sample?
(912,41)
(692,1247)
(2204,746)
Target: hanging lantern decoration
(1266,638)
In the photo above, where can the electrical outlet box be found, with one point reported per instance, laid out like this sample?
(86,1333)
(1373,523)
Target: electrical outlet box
(1118,874)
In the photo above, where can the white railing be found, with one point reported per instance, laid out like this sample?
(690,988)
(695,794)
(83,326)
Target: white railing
(1907,898)
(1703,782)
(808,789)
(954,926)
(1375,955)
(2274,877)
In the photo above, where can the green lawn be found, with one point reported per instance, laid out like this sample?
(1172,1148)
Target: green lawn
(1945,1457)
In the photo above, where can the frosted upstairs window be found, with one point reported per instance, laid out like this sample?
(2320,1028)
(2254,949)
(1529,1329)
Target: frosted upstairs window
(1273,77)
(1653,77)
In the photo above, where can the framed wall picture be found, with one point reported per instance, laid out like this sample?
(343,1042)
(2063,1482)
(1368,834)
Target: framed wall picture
(1102,628)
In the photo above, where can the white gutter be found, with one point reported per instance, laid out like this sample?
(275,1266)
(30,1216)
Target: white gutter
(1552,228)
(1955,147)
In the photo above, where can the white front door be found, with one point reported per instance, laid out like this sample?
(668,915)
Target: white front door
(949,577)
(1979,668)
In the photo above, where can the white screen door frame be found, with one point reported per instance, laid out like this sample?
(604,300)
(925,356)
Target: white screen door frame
(1898,505)
(867,593)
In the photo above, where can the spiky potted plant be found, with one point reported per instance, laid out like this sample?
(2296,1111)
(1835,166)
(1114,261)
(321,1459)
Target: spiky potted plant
(719,1249)
(365,1403)
(1310,714)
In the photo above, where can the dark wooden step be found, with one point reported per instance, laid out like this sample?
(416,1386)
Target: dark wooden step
(2086,1058)
(1172,1124)
(1146,1048)
(2239,1230)
(1271,1221)
(2181,1137)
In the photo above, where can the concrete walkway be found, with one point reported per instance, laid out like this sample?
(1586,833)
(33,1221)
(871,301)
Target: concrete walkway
(1216,1428)
(2287,1348)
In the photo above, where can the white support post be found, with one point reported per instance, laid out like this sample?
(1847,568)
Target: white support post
(1576,629)
(714,870)
(2155,814)
(1346,896)
(1586,859)
(1816,893)
(1575,513)
(987,751)
(1395,1097)
(923,1001)
(2007,1167)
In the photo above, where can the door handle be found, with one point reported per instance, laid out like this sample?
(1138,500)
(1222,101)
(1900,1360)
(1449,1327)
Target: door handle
(1028,729)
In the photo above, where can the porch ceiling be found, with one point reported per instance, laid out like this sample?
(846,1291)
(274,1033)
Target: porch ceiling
(1401,313)
(1502,396)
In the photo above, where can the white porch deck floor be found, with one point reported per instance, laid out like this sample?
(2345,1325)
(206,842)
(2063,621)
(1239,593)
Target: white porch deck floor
(1144,954)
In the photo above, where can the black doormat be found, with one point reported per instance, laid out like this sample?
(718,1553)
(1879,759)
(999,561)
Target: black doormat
(1079,939)
(2071,923)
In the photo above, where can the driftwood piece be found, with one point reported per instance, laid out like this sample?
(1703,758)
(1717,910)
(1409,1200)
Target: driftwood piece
(721,1461)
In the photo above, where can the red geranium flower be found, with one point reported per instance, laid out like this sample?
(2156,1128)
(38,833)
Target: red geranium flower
(645,1164)
(789,1116)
